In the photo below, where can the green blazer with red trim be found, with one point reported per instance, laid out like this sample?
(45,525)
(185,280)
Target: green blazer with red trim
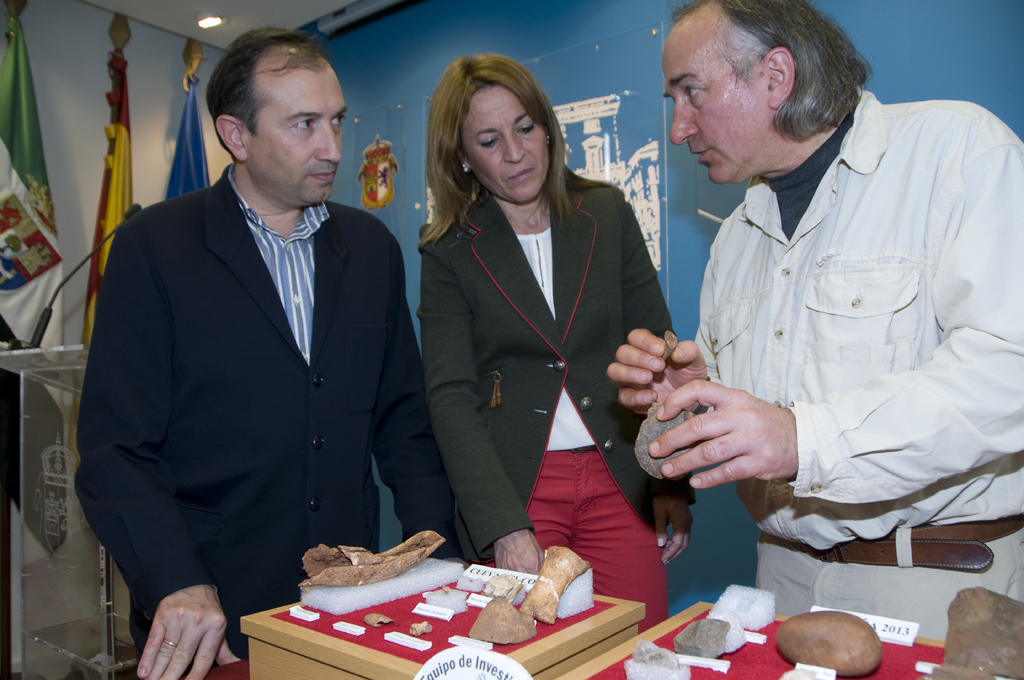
(483,315)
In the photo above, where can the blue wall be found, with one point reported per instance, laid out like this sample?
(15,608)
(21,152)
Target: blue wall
(919,49)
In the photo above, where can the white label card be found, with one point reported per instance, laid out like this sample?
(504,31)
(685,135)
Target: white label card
(819,672)
(482,573)
(408,641)
(298,612)
(350,628)
(460,641)
(889,630)
(429,610)
(477,600)
(700,662)
(756,638)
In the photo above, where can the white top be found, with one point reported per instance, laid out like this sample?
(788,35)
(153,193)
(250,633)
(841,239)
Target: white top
(891,325)
(567,429)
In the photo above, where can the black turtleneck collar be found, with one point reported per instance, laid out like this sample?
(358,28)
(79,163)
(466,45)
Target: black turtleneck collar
(796,188)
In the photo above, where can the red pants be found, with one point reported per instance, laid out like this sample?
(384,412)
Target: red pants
(577,504)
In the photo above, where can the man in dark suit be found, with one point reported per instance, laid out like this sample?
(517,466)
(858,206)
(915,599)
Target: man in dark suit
(225,427)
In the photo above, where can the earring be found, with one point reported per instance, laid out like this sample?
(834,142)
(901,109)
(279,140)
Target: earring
(547,139)
(465,168)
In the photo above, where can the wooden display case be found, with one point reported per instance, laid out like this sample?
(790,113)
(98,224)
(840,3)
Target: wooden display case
(282,650)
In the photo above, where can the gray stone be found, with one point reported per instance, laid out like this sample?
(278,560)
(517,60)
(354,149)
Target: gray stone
(986,632)
(704,638)
(651,429)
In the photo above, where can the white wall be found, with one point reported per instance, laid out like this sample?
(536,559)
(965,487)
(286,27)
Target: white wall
(68,46)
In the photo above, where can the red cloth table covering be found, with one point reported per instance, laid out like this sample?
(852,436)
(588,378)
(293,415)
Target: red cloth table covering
(764,662)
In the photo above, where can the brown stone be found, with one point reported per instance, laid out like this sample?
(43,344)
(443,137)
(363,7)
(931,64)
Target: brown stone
(503,624)
(986,632)
(560,567)
(355,566)
(651,429)
(704,638)
(670,344)
(836,640)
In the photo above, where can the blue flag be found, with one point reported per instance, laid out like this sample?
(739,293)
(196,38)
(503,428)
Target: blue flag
(189,170)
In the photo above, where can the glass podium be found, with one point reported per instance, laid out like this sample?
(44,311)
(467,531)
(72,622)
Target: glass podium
(73,598)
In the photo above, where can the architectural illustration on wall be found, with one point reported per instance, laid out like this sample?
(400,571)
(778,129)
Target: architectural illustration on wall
(590,128)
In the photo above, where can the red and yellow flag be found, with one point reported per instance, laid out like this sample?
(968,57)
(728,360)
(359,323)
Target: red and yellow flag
(116,195)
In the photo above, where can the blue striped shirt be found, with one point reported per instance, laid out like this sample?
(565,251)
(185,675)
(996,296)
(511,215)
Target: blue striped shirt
(290,262)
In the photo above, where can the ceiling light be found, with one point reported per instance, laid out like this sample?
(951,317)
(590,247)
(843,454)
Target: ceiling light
(209,19)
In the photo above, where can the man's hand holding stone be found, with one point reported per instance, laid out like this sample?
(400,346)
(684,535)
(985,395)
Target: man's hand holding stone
(744,437)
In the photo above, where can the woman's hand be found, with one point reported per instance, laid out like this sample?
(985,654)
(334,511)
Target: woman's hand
(674,510)
(518,551)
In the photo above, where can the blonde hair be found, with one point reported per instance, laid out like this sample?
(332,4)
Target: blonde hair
(456,191)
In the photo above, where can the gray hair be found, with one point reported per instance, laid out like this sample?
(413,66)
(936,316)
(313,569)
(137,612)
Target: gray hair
(830,72)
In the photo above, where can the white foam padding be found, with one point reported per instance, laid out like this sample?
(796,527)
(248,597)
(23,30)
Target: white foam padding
(645,671)
(736,637)
(471,585)
(454,600)
(430,573)
(578,596)
(755,607)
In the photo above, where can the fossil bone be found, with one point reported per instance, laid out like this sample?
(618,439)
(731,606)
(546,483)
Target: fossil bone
(418,629)
(354,566)
(376,619)
(561,566)
(503,585)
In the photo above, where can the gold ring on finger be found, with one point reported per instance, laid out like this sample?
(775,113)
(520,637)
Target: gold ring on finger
(172,644)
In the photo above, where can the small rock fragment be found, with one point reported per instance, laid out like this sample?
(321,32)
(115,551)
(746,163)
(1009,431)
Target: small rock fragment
(418,629)
(503,624)
(651,429)
(836,640)
(651,654)
(376,620)
(670,344)
(986,632)
(446,589)
(737,636)
(704,638)
(503,585)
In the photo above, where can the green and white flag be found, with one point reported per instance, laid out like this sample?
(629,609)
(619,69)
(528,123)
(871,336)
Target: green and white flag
(30,263)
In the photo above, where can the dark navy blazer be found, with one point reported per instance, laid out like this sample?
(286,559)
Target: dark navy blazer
(211,452)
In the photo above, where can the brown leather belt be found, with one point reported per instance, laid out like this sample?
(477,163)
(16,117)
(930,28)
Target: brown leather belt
(960,547)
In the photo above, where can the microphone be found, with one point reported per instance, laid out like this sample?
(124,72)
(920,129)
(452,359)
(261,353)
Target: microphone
(44,317)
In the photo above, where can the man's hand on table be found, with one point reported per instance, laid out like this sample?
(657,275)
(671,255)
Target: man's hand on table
(188,628)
